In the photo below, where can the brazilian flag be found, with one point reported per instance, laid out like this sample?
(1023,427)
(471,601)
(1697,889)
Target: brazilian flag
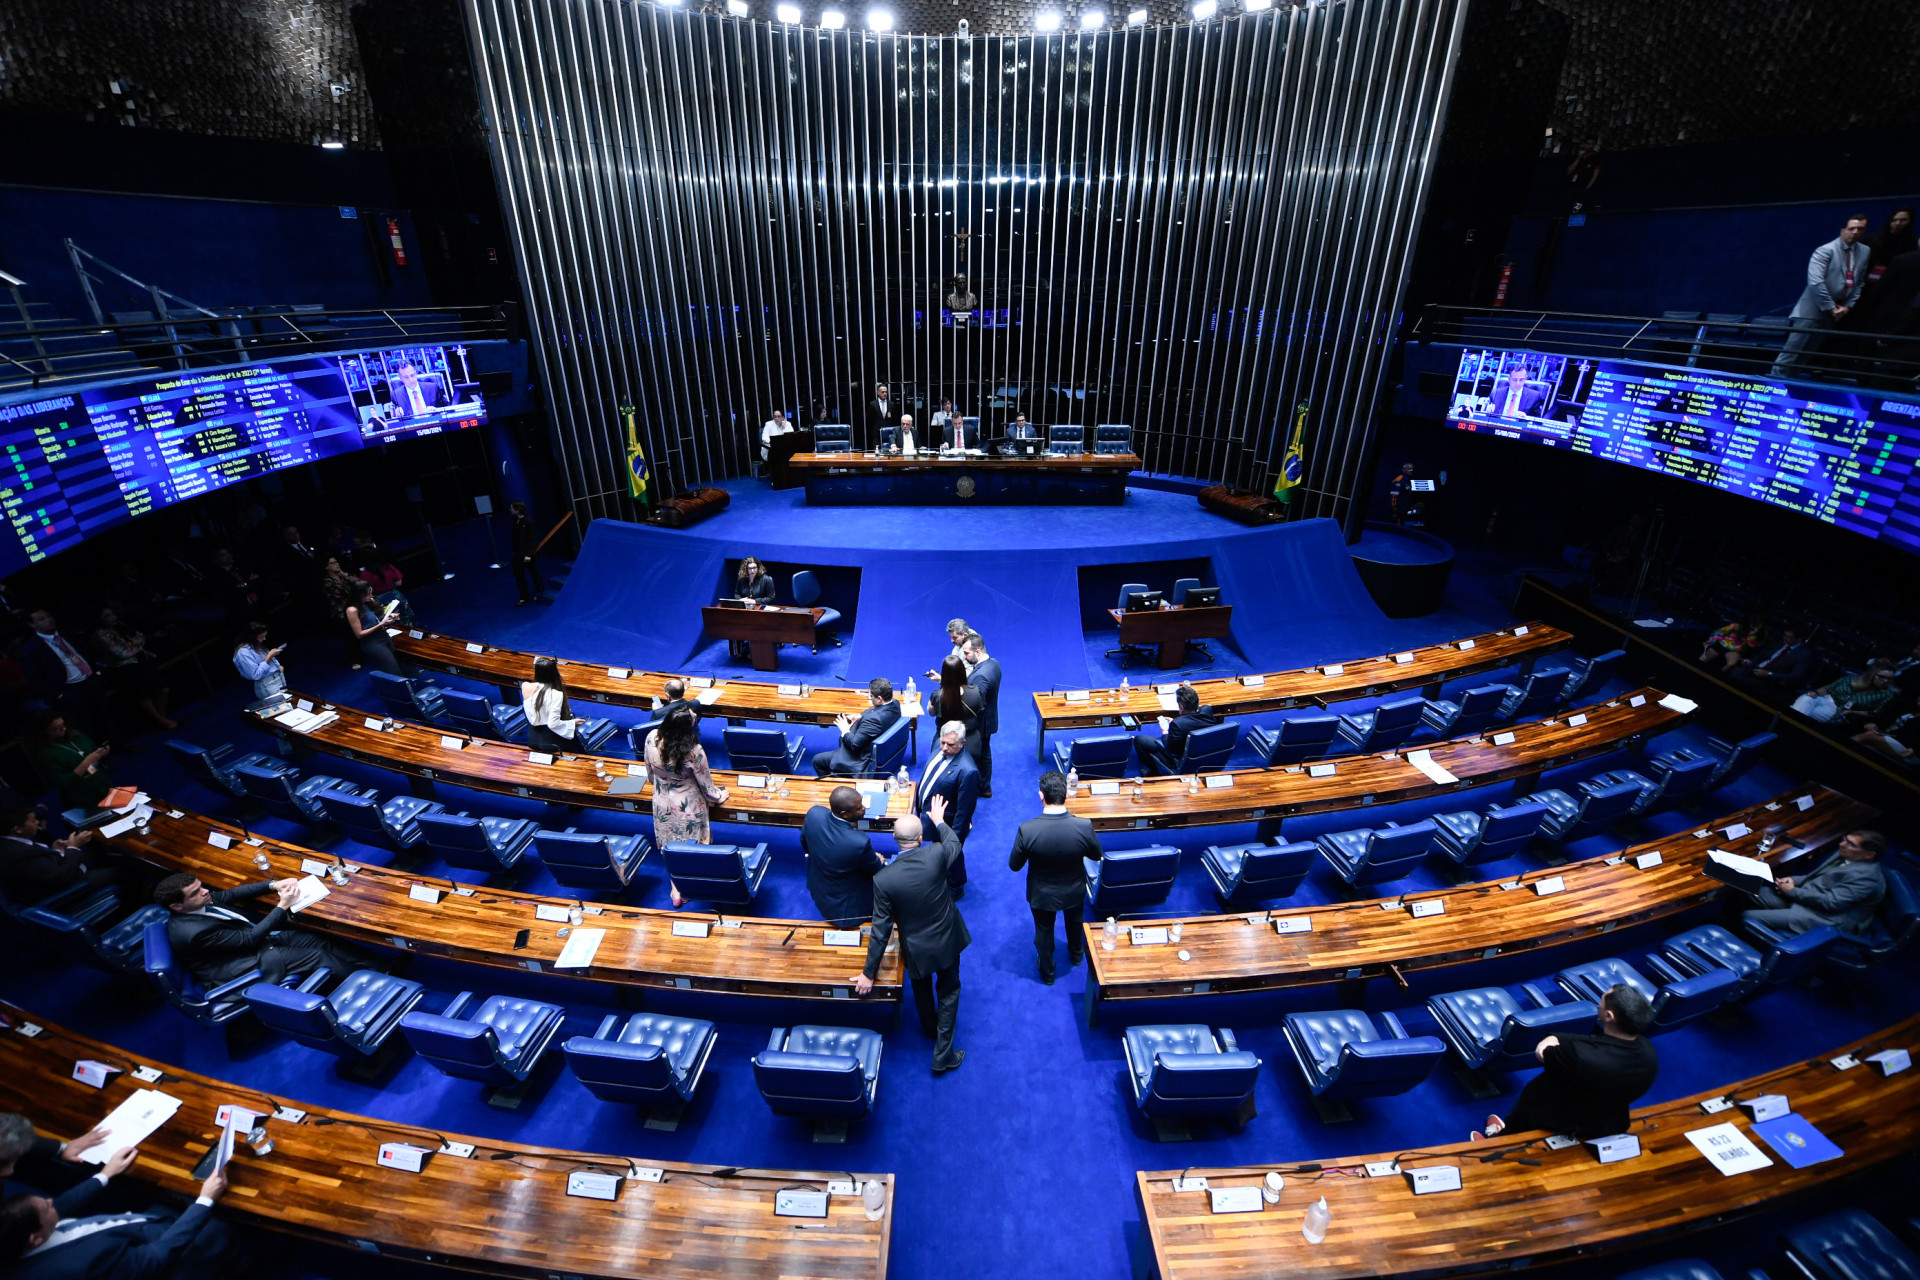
(637,476)
(1294,465)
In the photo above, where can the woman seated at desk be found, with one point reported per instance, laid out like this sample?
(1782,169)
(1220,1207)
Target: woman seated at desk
(551,725)
(753,585)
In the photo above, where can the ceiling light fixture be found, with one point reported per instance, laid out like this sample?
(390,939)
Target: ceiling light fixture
(880,20)
(1093,20)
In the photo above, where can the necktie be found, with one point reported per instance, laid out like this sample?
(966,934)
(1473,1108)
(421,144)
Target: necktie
(935,767)
(72,655)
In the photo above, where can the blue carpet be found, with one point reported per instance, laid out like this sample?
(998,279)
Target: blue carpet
(1020,1164)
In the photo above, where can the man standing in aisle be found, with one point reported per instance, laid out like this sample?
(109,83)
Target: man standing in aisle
(526,556)
(951,776)
(1055,848)
(984,671)
(912,893)
(1836,273)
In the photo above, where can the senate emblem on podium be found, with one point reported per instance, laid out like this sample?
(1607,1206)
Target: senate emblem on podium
(963,487)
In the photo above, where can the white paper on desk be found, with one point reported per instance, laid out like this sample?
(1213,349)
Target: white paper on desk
(1674,702)
(1169,702)
(126,824)
(307,890)
(580,948)
(1744,866)
(1730,1150)
(296,719)
(1649,623)
(707,697)
(1423,761)
(128,1124)
(140,798)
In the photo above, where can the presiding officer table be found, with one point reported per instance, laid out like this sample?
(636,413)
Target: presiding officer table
(1169,628)
(503,1210)
(1507,1215)
(763,631)
(975,479)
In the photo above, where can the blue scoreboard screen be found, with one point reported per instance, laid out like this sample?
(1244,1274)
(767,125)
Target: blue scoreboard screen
(1850,458)
(76,462)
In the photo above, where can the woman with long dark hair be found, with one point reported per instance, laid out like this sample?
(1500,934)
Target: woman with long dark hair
(682,785)
(551,725)
(260,664)
(753,584)
(955,699)
(369,626)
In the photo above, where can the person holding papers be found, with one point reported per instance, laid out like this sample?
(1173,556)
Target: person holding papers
(1160,756)
(369,626)
(43,1239)
(1590,1081)
(1842,893)
(218,944)
(19,1142)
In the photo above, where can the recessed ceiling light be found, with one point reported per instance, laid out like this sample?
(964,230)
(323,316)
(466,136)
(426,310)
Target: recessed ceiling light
(1047,20)
(879,19)
(1093,20)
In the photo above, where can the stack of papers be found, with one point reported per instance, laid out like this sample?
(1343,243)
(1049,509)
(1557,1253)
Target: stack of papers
(707,697)
(1423,761)
(580,949)
(1674,702)
(1740,866)
(305,721)
(131,1122)
(306,892)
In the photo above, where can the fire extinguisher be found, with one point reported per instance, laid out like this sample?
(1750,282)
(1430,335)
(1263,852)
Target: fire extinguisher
(400,248)
(1499,293)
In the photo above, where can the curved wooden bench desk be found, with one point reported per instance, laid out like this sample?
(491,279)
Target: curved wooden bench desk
(502,1211)
(1357,941)
(1428,668)
(477,924)
(428,755)
(1508,1215)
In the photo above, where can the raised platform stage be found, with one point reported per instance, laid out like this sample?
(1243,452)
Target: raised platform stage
(928,479)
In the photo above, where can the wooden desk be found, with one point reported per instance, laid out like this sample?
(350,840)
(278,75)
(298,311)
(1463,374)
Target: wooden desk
(426,756)
(1352,942)
(1428,668)
(1267,795)
(859,479)
(1509,1215)
(763,631)
(1169,629)
(503,1211)
(477,924)
(591,682)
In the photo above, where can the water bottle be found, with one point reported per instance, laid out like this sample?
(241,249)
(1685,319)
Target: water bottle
(1126,686)
(1073,781)
(1109,935)
(902,783)
(1315,1227)
(913,690)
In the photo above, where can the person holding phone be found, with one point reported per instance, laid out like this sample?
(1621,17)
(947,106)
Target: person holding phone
(369,626)
(256,662)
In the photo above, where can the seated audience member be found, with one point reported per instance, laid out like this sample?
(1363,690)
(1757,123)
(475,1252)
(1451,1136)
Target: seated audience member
(1897,739)
(1160,755)
(1590,1082)
(1786,666)
(55,1239)
(1055,849)
(378,571)
(217,943)
(854,756)
(777,425)
(77,768)
(33,868)
(60,675)
(131,667)
(18,1142)
(237,590)
(1726,647)
(1900,667)
(551,724)
(1850,699)
(674,690)
(1843,892)
(840,859)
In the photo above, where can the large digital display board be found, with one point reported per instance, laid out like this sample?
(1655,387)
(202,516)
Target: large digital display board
(77,462)
(1850,458)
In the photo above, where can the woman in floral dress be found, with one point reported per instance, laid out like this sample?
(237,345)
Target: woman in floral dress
(682,785)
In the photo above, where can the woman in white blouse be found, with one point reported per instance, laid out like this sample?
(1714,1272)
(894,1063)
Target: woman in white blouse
(551,725)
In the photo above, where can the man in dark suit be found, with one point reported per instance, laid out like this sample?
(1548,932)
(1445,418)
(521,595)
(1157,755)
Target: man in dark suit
(60,674)
(1162,756)
(526,558)
(840,859)
(217,943)
(49,1159)
(912,893)
(1590,1081)
(960,434)
(952,776)
(1785,669)
(1055,849)
(56,1239)
(854,755)
(882,411)
(1518,398)
(985,672)
(413,396)
(1842,893)
(33,869)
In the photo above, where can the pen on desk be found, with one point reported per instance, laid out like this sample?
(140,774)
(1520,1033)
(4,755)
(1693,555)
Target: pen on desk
(789,938)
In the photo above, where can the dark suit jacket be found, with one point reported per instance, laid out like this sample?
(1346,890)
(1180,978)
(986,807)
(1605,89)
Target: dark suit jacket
(855,753)
(1054,848)
(959,782)
(215,949)
(1588,1086)
(912,893)
(890,417)
(400,404)
(525,536)
(1533,399)
(44,670)
(1182,725)
(146,1250)
(958,436)
(1790,667)
(840,865)
(759,591)
(986,677)
(32,871)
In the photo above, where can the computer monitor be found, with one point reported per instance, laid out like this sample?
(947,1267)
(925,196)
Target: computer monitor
(1138,601)
(1202,597)
(731,602)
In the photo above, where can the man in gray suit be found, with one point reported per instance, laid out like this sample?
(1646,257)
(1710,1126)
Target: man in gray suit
(1842,893)
(911,891)
(1836,273)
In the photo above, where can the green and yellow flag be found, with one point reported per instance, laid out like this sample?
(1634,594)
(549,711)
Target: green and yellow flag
(636,460)
(1294,465)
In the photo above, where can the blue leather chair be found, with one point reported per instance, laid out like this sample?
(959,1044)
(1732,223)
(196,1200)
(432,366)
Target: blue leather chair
(1731,760)
(1180,588)
(1572,817)
(806,590)
(1892,930)
(1374,855)
(655,1062)
(1180,1070)
(85,923)
(1677,999)
(356,1018)
(593,733)
(484,717)
(890,749)
(478,844)
(1127,652)
(1100,755)
(215,768)
(1387,726)
(499,1043)
(580,860)
(1207,749)
(1533,695)
(408,698)
(1342,1055)
(1850,1244)
(1128,878)
(1487,1027)
(1475,710)
(1712,947)
(1247,873)
(637,736)
(723,874)
(823,1073)
(1112,437)
(832,437)
(285,794)
(1679,1269)
(1685,778)
(764,750)
(210,1007)
(121,947)
(1062,438)
(1467,839)
(1295,739)
(1589,675)
(387,824)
